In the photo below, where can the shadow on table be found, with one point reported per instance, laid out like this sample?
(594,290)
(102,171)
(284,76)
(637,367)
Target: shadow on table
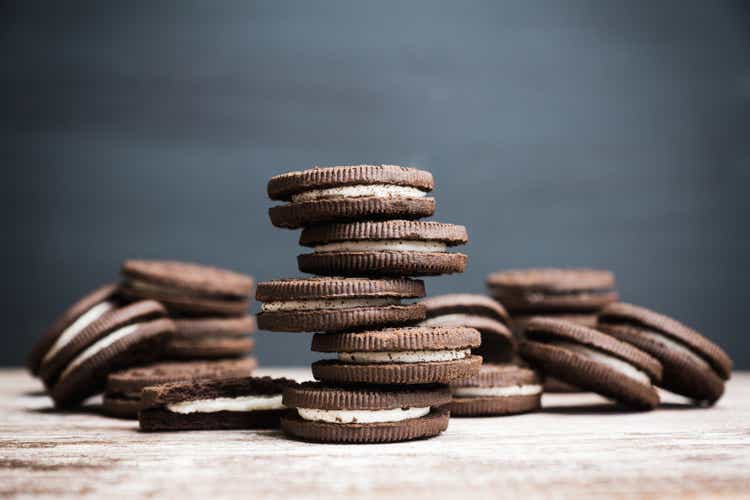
(609,408)
(92,409)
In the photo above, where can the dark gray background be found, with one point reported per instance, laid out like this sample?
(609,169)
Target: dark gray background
(606,134)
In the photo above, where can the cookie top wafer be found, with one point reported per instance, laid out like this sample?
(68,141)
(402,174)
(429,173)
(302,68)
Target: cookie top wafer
(398,339)
(553,289)
(465,303)
(325,397)
(491,375)
(192,328)
(402,230)
(285,186)
(70,323)
(337,288)
(178,392)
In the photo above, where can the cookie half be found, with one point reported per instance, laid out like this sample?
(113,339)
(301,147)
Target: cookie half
(70,323)
(385,248)
(240,403)
(540,290)
(410,355)
(187,288)
(211,338)
(593,361)
(479,312)
(335,304)
(496,390)
(371,192)
(117,349)
(63,352)
(123,395)
(693,365)
(364,415)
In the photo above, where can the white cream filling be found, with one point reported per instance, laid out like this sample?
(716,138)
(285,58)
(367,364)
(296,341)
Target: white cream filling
(677,346)
(448,320)
(404,356)
(612,362)
(77,327)
(306,305)
(98,346)
(240,403)
(360,191)
(361,416)
(513,390)
(383,246)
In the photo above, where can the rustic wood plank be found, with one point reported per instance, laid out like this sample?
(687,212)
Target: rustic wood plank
(579,446)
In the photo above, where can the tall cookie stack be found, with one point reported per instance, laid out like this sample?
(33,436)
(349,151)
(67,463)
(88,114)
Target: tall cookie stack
(388,379)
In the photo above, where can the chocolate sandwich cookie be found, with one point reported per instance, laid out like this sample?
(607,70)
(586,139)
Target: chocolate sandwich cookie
(72,322)
(123,395)
(350,193)
(408,355)
(210,338)
(188,289)
(384,248)
(65,351)
(118,348)
(541,290)
(364,415)
(479,312)
(594,361)
(240,403)
(693,365)
(496,390)
(334,304)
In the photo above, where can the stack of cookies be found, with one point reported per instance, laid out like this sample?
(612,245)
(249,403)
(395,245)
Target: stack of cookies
(388,380)
(573,295)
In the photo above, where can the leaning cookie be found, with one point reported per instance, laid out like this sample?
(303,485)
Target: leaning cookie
(335,304)
(350,193)
(693,365)
(363,415)
(593,361)
(496,390)
(211,338)
(408,355)
(479,312)
(186,288)
(122,398)
(385,248)
(240,403)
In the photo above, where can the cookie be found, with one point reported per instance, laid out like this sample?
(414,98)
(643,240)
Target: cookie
(479,312)
(345,193)
(123,395)
(594,361)
(334,304)
(210,338)
(496,390)
(120,347)
(409,355)
(364,415)
(541,290)
(383,248)
(239,403)
(113,319)
(693,365)
(70,323)
(188,289)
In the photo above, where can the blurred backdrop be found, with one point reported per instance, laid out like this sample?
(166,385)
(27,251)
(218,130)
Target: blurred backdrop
(605,134)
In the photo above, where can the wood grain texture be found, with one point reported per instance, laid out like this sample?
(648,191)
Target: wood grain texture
(579,446)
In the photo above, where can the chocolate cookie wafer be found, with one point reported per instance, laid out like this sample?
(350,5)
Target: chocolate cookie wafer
(240,403)
(479,312)
(211,338)
(188,289)
(123,395)
(364,415)
(383,248)
(693,365)
(335,304)
(591,360)
(409,355)
(327,194)
(496,390)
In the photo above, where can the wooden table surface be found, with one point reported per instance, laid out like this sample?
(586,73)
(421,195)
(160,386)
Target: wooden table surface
(578,446)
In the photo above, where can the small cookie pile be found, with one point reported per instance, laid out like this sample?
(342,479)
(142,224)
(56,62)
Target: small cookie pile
(166,321)
(388,379)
